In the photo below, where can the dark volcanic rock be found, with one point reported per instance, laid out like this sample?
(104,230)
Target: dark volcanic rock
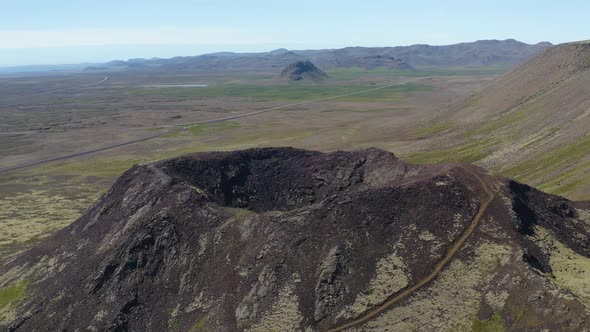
(285,239)
(303,70)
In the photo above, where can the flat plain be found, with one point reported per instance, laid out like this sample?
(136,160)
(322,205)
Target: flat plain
(416,118)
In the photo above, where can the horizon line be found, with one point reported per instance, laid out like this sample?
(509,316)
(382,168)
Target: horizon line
(70,63)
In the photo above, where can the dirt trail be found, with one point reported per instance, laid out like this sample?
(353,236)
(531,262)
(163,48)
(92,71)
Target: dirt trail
(457,245)
(104,79)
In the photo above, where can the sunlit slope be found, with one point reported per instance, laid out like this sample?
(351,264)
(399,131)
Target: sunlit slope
(532,124)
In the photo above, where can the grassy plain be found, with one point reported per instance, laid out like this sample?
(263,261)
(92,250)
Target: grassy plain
(409,119)
(37,201)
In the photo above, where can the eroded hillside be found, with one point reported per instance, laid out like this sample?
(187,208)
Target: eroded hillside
(531,124)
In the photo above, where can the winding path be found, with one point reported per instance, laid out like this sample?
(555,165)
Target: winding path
(457,245)
(73,87)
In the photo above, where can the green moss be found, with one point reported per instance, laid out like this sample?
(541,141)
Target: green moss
(390,277)
(99,167)
(494,125)
(173,320)
(240,214)
(29,215)
(200,324)
(153,129)
(472,101)
(570,270)
(202,128)
(551,161)
(548,133)
(520,314)
(197,130)
(568,182)
(13,294)
(467,153)
(433,129)
(494,324)
(298,91)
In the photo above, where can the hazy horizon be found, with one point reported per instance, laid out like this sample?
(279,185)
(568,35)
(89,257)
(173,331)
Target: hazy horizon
(110,53)
(61,32)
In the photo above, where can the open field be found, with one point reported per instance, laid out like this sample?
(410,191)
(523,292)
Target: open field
(38,200)
(407,119)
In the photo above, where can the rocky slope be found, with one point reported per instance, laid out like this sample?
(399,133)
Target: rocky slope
(303,70)
(282,239)
(540,112)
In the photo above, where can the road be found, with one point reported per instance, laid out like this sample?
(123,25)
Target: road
(79,154)
(457,245)
(183,127)
(106,78)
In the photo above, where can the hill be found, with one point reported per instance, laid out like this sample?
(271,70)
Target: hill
(303,70)
(285,239)
(531,123)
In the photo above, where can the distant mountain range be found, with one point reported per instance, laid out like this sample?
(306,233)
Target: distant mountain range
(32,69)
(475,54)
(479,53)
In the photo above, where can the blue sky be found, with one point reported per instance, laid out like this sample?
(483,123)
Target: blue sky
(59,31)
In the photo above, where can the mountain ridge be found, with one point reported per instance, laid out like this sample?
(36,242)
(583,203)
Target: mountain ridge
(478,53)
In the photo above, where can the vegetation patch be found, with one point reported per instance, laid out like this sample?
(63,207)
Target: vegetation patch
(494,324)
(240,215)
(295,91)
(453,298)
(35,214)
(571,270)
(204,128)
(284,315)
(584,215)
(494,125)
(95,167)
(550,161)
(468,153)
(568,182)
(17,145)
(390,277)
(433,129)
(200,323)
(12,294)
